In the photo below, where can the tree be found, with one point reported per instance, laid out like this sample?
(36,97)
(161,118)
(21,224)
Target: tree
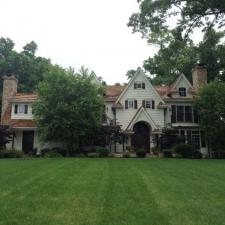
(69,108)
(152,20)
(5,136)
(181,54)
(211,108)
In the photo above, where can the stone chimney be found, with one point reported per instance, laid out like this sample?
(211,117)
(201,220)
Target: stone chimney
(199,76)
(9,89)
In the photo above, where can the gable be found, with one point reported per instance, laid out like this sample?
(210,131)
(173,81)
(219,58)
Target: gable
(182,81)
(141,115)
(148,92)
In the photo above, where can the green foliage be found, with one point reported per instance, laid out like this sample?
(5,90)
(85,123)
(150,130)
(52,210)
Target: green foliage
(156,149)
(181,54)
(185,150)
(5,136)
(167,153)
(211,107)
(52,154)
(140,153)
(69,107)
(11,153)
(102,151)
(152,20)
(93,155)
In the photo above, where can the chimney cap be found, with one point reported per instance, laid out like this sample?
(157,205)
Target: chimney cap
(10,76)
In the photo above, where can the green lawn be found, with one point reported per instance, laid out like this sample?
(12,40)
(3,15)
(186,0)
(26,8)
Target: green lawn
(112,191)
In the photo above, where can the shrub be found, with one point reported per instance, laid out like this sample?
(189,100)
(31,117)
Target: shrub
(156,150)
(126,155)
(11,154)
(185,150)
(50,153)
(61,151)
(102,151)
(130,148)
(167,153)
(92,155)
(141,153)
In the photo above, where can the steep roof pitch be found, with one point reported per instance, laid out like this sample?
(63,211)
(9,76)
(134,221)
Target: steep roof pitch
(139,72)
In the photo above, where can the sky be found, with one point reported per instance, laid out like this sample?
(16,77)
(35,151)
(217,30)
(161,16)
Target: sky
(92,33)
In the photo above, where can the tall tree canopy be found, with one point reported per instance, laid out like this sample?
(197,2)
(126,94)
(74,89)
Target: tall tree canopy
(69,108)
(181,54)
(152,20)
(211,107)
(28,67)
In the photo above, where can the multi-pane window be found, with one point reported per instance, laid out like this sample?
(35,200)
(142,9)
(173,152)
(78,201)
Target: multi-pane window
(131,104)
(184,114)
(21,109)
(148,103)
(182,91)
(139,85)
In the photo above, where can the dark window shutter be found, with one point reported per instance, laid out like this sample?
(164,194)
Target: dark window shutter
(143,103)
(153,104)
(143,85)
(25,109)
(135,104)
(16,109)
(135,86)
(126,104)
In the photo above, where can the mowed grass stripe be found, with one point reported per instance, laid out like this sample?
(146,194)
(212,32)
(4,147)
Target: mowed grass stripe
(112,191)
(184,190)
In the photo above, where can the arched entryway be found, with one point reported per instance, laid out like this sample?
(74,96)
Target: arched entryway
(141,136)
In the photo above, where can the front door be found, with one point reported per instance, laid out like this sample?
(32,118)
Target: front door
(28,142)
(141,137)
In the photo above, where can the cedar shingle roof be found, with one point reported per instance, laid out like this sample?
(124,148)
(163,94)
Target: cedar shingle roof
(23,97)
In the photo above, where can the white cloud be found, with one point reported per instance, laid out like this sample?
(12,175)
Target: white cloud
(78,32)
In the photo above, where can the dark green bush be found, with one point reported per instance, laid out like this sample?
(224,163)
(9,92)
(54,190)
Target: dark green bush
(61,151)
(102,151)
(92,155)
(141,153)
(185,150)
(167,153)
(11,154)
(50,153)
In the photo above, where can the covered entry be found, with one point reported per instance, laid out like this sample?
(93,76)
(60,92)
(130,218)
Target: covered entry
(141,136)
(28,141)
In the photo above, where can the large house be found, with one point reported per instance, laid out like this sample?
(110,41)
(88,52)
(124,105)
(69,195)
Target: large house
(142,110)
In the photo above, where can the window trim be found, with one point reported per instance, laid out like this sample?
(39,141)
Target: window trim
(21,109)
(141,87)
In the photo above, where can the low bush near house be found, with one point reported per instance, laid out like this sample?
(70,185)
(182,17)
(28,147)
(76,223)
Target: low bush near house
(167,153)
(126,155)
(61,151)
(52,154)
(185,150)
(141,153)
(11,154)
(156,150)
(92,155)
(102,151)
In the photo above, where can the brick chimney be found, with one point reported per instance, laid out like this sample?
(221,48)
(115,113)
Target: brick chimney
(199,76)
(9,89)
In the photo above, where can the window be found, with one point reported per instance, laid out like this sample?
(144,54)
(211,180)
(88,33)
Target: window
(131,104)
(185,114)
(148,104)
(21,109)
(180,113)
(139,85)
(182,92)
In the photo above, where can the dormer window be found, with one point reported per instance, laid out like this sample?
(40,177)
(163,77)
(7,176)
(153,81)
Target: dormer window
(21,109)
(182,92)
(139,85)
